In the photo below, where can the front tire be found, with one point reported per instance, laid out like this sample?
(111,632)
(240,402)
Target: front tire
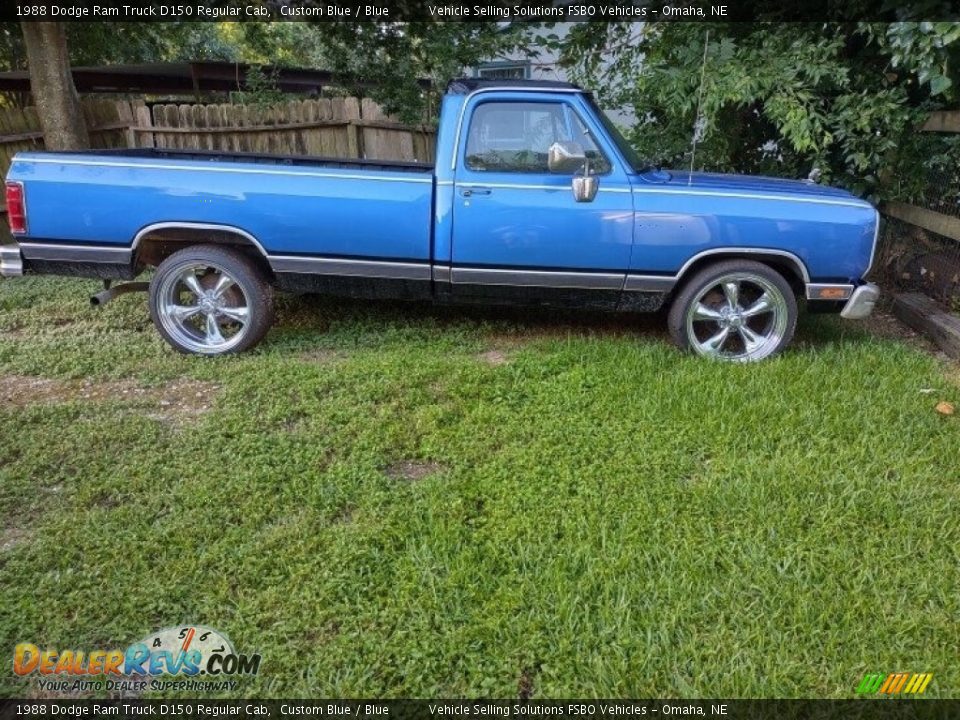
(735,310)
(210,300)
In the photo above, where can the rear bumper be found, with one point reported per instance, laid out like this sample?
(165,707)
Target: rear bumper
(861,303)
(11,262)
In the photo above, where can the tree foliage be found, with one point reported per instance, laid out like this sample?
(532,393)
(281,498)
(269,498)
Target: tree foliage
(382,60)
(929,49)
(776,99)
(385,60)
(106,43)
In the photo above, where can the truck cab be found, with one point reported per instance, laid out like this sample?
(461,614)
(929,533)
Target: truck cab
(508,223)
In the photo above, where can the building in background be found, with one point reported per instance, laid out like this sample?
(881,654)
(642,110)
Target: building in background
(545,66)
(520,67)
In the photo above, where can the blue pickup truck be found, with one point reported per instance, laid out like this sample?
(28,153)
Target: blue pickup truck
(534,198)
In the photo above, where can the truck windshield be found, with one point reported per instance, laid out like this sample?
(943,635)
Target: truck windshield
(637,163)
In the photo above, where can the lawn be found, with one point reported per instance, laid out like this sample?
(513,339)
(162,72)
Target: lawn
(399,500)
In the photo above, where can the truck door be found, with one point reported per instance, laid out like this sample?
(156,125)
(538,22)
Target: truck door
(517,229)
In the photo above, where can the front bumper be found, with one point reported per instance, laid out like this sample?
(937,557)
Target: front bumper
(861,303)
(11,263)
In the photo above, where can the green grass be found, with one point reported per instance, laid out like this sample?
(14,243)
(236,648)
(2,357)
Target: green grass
(599,514)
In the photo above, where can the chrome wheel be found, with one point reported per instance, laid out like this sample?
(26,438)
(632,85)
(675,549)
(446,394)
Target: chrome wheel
(202,308)
(740,316)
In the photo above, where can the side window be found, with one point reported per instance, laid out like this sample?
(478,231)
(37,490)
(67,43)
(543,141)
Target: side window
(599,165)
(515,137)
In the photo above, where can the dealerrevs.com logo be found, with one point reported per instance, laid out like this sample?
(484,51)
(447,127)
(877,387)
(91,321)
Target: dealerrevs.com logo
(185,652)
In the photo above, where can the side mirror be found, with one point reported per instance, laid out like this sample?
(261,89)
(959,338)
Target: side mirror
(565,157)
(585,187)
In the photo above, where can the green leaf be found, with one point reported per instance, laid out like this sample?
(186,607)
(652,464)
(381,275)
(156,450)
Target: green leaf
(939,84)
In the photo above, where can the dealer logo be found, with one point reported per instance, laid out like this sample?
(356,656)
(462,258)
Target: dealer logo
(187,651)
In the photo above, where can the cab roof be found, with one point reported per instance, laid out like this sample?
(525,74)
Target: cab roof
(464,86)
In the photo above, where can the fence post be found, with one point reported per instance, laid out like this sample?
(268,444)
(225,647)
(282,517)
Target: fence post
(142,119)
(351,114)
(945,121)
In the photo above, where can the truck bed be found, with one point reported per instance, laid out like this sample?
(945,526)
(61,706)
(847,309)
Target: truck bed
(304,206)
(260,158)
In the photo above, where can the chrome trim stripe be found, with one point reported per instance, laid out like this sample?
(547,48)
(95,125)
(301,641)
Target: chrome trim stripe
(76,253)
(649,283)
(747,251)
(537,278)
(197,226)
(873,250)
(221,169)
(664,283)
(480,91)
(11,264)
(511,186)
(633,282)
(752,196)
(521,186)
(350,267)
(813,287)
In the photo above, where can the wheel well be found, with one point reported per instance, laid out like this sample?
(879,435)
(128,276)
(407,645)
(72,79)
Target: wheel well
(784,265)
(154,246)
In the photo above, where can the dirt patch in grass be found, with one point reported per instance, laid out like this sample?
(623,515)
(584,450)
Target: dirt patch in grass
(323,634)
(344,515)
(412,470)
(525,684)
(14,333)
(322,356)
(10,537)
(176,401)
(494,358)
(295,421)
(886,325)
(19,391)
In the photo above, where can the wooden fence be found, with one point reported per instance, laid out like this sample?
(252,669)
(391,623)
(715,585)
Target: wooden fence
(924,255)
(330,127)
(947,121)
(108,122)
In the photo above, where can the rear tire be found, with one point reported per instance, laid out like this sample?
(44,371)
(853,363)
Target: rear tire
(210,300)
(734,310)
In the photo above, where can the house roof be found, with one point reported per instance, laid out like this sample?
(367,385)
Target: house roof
(181,78)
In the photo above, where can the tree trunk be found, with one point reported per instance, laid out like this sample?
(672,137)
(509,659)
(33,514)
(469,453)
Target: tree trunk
(52,86)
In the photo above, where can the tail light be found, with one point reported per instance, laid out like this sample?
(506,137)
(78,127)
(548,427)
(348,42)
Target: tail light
(16,210)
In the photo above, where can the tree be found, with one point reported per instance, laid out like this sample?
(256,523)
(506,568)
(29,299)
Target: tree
(382,60)
(51,83)
(776,99)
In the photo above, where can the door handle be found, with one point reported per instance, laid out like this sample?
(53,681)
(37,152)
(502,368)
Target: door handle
(470,191)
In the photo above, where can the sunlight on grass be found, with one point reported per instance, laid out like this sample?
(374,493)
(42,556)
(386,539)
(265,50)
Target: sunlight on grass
(379,509)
